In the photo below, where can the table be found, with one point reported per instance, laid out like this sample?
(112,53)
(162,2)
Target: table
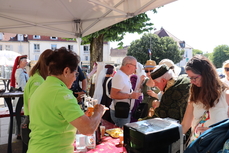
(8,96)
(108,144)
(6,83)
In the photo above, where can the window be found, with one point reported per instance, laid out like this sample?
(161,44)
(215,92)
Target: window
(86,58)
(36,37)
(70,47)
(8,47)
(53,38)
(53,46)
(20,37)
(85,48)
(0,47)
(36,47)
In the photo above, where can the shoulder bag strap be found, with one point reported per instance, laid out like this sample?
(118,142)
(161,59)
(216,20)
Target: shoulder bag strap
(107,93)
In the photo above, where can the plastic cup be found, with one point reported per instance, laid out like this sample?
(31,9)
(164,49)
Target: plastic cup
(80,142)
(121,139)
(102,130)
(90,111)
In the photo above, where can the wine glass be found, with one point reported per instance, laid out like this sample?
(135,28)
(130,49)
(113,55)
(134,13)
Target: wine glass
(149,88)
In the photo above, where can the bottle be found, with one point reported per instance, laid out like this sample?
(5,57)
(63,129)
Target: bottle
(91,141)
(98,134)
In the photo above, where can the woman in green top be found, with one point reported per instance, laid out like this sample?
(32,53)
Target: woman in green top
(37,74)
(54,111)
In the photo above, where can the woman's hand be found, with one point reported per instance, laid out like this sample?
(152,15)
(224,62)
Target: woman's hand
(201,129)
(152,93)
(100,108)
(155,104)
(142,78)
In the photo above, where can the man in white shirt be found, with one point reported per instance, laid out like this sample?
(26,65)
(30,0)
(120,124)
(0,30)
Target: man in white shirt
(121,88)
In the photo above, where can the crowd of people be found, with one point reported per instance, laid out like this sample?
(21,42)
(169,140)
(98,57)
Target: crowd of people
(197,98)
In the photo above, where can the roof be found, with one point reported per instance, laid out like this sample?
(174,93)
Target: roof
(164,33)
(8,36)
(119,52)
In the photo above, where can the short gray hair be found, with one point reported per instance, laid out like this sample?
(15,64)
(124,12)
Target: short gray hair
(128,59)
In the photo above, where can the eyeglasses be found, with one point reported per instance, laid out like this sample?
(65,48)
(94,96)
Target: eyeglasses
(226,68)
(194,78)
(146,71)
(132,64)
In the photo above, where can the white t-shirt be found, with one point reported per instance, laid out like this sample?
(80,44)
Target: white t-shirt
(216,113)
(122,82)
(21,78)
(224,80)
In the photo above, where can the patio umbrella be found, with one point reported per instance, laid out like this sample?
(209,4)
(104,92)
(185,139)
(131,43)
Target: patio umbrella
(7,57)
(68,18)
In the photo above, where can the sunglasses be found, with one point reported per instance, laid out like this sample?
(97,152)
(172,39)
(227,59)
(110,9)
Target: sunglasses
(226,68)
(146,71)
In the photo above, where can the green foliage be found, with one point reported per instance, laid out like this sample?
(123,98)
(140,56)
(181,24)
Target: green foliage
(209,56)
(196,51)
(220,54)
(161,48)
(138,24)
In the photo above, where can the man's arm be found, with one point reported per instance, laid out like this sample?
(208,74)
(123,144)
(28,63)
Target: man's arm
(116,94)
(84,84)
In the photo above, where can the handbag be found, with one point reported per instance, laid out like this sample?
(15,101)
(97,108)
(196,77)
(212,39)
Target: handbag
(25,131)
(141,111)
(122,109)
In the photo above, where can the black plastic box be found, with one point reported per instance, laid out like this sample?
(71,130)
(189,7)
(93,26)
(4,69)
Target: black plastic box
(152,136)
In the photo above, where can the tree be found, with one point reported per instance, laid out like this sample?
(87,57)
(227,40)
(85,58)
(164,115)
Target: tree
(196,51)
(209,56)
(139,24)
(220,54)
(161,48)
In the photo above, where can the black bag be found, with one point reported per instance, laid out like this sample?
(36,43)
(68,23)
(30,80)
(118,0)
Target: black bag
(141,111)
(211,140)
(122,109)
(25,131)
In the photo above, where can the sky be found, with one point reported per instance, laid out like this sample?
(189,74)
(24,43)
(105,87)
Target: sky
(202,24)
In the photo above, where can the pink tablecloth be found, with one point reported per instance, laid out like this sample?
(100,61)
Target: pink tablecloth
(108,144)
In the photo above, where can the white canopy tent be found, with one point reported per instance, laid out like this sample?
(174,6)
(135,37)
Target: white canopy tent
(68,18)
(7,58)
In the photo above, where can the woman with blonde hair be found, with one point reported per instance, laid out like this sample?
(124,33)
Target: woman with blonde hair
(150,92)
(226,72)
(37,74)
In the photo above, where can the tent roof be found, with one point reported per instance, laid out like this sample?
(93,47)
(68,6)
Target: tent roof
(68,18)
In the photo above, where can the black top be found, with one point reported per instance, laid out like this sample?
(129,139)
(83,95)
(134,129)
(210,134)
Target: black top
(75,86)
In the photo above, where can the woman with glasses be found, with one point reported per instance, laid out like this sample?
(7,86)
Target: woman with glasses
(150,92)
(54,112)
(208,99)
(226,72)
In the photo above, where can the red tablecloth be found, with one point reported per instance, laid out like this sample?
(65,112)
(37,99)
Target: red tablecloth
(108,144)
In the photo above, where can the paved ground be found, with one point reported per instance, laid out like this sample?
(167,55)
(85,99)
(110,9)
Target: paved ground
(4,124)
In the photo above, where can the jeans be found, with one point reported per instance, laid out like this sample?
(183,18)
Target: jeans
(119,121)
